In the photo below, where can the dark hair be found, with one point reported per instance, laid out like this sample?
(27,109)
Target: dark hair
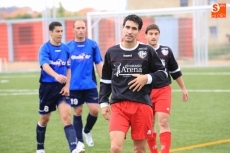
(135,19)
(151,27)
(54,24)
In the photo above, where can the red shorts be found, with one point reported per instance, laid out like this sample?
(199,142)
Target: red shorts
(161,99)
(138,116)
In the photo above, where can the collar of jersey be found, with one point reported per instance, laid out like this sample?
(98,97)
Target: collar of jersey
(130,49)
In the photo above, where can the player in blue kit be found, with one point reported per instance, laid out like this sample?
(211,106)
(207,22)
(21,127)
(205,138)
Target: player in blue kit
(54,87)
(84,53)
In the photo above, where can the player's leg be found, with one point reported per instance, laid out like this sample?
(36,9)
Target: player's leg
(40,132)
(163,114)
(116,141)
(152,141)
(91,98)
(139,146)
(119,124)
(78,125)
(77,104)
(46,106)
(65,115)
(141,125)
(77,122)
(165,133)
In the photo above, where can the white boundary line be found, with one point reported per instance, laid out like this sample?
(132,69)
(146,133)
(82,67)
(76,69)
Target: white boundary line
(20,76)
(185,73)
(17,92)
(206,73)
(205,90)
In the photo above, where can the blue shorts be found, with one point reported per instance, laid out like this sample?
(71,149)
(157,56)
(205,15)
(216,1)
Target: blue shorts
(79,97)
(50,97)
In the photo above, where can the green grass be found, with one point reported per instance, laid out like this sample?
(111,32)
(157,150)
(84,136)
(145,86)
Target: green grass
(219,52)
(203,119)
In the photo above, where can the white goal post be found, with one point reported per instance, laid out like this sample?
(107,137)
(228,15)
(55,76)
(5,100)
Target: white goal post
(199,16)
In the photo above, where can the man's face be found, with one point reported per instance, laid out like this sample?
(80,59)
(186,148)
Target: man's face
(79,29)
(56,34)
(152,37)
(130,31)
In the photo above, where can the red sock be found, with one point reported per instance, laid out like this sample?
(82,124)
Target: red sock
(152,143)
(165,139)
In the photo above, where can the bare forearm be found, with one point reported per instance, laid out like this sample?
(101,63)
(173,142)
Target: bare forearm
(180,82)
(68,76)
(99,69)
(49,70)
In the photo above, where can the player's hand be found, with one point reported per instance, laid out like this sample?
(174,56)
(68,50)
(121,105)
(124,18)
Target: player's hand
(65,91)
(184,95)
(61,78)
(137,83)
(106,112)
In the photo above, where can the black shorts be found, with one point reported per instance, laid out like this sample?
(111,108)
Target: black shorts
(50,97)
(79,97)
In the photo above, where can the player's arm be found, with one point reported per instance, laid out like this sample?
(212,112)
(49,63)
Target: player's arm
(97,59)
(44,61)
(156,78)
(173,68)
(105,88)
(180,82)
(68,71)
(65,89)
(99,68)
(159,74)
(175,72)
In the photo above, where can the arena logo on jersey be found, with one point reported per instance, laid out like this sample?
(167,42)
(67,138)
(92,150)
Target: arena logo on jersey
(58,62)
(81,56)
(218,10)
(142,54)
(127,70)
(164,51)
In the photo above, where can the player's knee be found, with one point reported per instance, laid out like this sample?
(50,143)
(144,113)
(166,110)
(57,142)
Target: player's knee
(94,112)
(164,123)
(139,149)
(116,149)
(44,119)
(78,111)
(66,120)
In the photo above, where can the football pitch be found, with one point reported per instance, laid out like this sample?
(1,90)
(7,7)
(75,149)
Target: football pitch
(201,125)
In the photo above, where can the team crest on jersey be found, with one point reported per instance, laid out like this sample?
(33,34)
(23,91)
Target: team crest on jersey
(142,54)
(164,51)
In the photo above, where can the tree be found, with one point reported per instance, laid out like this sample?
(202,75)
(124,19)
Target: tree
(61,10)
(23,16)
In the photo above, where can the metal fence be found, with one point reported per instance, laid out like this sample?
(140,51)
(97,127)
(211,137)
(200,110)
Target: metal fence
(195,38)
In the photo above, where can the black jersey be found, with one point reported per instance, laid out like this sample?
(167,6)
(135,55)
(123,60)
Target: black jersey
(167,58)
(120,64)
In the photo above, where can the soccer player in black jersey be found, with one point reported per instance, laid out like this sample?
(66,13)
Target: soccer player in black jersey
(130,70)
(161,97)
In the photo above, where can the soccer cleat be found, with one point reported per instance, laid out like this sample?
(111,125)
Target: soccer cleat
(78,151)
(88,138)
(40,151)
(80,148)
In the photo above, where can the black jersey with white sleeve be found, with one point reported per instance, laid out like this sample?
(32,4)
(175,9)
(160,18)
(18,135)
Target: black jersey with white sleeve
(119,65)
